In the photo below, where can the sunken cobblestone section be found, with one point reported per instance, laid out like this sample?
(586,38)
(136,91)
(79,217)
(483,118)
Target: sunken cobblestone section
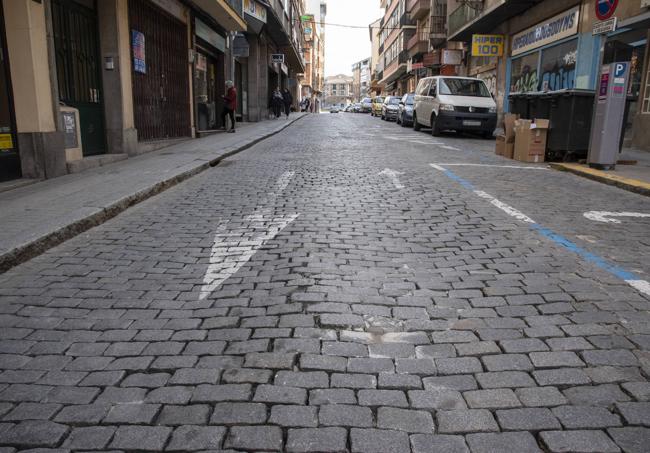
(379,321)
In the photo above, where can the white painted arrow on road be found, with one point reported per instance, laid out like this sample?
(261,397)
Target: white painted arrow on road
(393,175)
(234,247)
(605,216)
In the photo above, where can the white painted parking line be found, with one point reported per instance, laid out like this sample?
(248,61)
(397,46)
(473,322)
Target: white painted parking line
(630,278)
(605,216)
(461,164)
(232,248)
(453,148)
(393,175)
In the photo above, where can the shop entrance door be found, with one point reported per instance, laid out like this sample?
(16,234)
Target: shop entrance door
(78,67)
(9,159)
(205,92)
(161,102)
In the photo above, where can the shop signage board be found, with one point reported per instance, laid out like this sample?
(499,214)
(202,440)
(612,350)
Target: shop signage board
(307,17)
(210,36)
(605,26)
(277,58)
(255,9)
(487,45)
(551,30)
(452,57)
(137,43)
(605,8)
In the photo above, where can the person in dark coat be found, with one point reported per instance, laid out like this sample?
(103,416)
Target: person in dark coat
(288,100)
(277,101)
(230,100)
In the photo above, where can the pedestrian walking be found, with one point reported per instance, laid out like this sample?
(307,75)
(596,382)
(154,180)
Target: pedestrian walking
(276,103)
(230,100)
(288,100)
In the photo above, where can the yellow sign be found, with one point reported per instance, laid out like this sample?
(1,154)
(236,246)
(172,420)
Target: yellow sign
(487,45)
(6,142)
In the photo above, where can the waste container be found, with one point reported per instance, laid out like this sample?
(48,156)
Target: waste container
(519,105)
(569,112)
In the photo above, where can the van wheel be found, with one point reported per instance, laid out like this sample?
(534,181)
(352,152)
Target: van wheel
(416,125)
(435,129)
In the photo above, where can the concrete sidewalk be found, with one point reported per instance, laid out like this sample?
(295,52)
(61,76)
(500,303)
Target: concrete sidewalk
(39,216)
(634,178)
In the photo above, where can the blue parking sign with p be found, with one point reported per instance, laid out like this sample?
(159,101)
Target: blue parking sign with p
(619,69)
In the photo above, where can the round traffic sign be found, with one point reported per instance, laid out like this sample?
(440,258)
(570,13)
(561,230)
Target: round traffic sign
(605,8)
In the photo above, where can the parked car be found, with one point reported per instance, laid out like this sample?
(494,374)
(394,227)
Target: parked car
(357,108)
(377,102)
(348,108)
(405,112)
(366,105)
(334,110)
(454,103)
(389,108)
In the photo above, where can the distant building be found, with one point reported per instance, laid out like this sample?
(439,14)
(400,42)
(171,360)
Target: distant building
(361,79)
(338,90)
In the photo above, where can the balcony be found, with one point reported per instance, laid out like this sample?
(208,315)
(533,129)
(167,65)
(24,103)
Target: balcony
(228,13)
(403,57)
(381,48)
(418,44)
(405,20)
(438,23)
(463,15)
(418,9)
(474,17)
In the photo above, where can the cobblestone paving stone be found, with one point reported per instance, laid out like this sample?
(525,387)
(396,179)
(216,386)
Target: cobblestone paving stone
(379,319)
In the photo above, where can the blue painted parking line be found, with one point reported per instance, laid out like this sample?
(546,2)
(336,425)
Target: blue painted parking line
(630,278)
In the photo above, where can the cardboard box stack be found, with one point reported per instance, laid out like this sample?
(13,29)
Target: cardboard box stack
(505,144)
(530,140)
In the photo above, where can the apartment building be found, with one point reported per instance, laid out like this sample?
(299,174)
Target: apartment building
(338,90)
(361,79)
(88,82)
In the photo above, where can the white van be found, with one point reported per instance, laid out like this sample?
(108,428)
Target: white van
(458,103)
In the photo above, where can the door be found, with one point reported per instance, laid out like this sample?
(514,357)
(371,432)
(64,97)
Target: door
(78,66)
(205,91)
(161,103)
(9,158)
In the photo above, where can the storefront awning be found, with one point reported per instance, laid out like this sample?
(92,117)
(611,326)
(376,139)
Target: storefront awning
(488,20)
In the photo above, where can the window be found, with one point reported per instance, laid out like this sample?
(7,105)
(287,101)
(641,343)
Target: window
(463,87)
(558,68)
(423,87)
(523,77)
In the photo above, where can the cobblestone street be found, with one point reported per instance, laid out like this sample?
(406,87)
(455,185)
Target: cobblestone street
(345,285)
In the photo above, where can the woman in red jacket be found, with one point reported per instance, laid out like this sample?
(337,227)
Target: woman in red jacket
(231,104)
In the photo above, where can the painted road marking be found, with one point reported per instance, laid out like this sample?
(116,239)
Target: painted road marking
(604,216)
(234,248)
(631,279)
(393,175)
(453,148)
(460,164)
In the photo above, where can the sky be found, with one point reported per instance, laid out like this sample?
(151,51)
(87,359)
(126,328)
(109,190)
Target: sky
(346,46)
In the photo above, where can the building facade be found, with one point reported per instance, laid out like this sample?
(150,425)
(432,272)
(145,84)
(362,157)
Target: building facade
(338,90)
(87,82)
(314,56)
(361,79)
(555,46)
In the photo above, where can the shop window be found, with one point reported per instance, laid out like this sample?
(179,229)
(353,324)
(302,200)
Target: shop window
(523,76)
(558,68)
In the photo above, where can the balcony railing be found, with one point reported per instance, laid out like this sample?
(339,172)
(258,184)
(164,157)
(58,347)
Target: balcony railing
(403,57)
(381,48)
(418,8)
(438,22)
(463,15)
(405,20)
